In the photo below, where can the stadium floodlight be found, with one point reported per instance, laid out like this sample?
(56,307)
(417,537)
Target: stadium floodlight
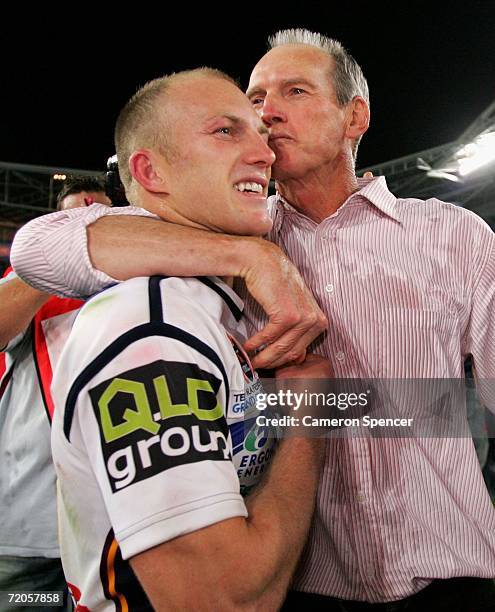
(476,154)
(442,173)
(467,159)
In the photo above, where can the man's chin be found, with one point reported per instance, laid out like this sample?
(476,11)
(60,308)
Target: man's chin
(259,227)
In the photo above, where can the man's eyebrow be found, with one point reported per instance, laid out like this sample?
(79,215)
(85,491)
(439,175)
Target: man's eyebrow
(233,118)
(255,90)
(297,81)
(286,82)
(238,121)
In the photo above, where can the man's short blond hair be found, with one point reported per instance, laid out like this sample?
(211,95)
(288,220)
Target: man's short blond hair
(142,123)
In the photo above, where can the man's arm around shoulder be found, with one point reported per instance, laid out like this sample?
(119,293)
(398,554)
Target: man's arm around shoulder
(67,261)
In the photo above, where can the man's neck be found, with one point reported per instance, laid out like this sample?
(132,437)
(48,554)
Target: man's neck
(321,193)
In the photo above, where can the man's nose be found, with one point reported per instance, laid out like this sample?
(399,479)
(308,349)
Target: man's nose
(272,111)
(260,153)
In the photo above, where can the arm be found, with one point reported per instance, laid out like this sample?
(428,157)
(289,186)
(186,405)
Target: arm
(243,564)
(20,302)
(240,563)
(479,338)
(295,319)
(55,248)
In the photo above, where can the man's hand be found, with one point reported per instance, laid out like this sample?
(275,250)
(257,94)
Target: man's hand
(314,366)
(295,318)
(125,246)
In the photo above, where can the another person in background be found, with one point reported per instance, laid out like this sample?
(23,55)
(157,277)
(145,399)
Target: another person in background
(79,191)
(32,325)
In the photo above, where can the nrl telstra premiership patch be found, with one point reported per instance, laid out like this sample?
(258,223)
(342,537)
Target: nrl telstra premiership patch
(252,445)
(156,417)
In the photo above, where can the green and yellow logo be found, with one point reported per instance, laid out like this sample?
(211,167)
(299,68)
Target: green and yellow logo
(159,416)
(139,414)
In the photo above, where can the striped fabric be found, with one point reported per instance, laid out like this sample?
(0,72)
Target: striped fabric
(409,290)
(408,287)
(50,252)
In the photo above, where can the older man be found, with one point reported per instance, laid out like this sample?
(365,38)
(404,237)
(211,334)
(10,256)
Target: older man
(409,289)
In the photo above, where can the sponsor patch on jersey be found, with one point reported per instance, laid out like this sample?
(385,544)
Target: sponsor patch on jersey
(157,417)
(244,400)
(253,445)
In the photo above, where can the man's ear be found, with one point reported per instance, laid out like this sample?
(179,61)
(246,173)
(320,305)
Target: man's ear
(359,119)
(147,168)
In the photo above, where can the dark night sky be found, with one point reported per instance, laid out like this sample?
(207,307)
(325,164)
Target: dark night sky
(430,67)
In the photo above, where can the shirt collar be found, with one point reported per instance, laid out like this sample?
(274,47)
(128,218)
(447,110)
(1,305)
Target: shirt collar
(374,190)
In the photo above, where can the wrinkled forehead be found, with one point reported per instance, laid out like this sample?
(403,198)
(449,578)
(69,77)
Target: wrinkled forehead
(291,62)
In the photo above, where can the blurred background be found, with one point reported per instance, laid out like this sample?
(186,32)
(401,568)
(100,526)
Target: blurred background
(430,68)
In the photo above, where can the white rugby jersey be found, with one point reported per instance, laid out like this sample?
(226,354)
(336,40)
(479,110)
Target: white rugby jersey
(150,426)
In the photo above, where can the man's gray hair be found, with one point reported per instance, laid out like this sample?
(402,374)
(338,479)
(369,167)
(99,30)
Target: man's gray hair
(347,76)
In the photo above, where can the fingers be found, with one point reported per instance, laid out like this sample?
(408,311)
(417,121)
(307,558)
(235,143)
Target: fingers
(290,346)
(313,367)
(276,357)
(300,359)
(295,319)
(277,326)
(290,331)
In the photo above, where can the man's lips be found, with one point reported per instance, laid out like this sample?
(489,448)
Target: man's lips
(275,137)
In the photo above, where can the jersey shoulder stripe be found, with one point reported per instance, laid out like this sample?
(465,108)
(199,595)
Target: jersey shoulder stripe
(234,309)
(41,355)
(157,327)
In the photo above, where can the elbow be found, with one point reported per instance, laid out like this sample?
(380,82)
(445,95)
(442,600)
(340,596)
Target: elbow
(237,592)
(18,250)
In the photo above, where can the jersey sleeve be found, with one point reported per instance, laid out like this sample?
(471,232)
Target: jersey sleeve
(50,253)
(152,424)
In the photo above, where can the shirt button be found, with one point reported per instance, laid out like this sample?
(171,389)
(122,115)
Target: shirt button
(324,237)
(361,498)
(340,356)
(329,288)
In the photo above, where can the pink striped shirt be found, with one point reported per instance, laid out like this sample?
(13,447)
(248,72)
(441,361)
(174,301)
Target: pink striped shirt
(409,290)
